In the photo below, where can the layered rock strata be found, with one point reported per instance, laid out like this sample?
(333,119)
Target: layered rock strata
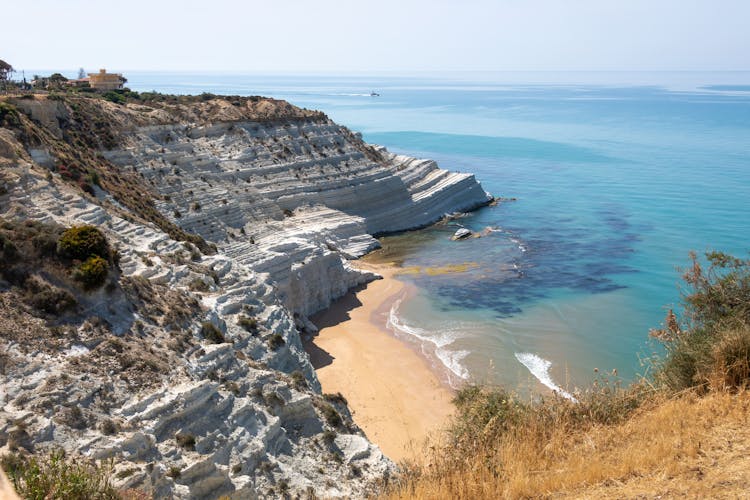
(283,198)
(288,198)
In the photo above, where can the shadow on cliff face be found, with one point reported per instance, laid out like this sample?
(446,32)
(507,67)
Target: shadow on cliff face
(318,357)
(337,313)
(339,310)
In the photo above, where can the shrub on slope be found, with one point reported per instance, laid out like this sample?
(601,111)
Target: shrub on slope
(710,348)
(500,445)
(53,476)
(82,242)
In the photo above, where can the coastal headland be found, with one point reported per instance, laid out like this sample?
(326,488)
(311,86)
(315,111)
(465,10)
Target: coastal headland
(222,224)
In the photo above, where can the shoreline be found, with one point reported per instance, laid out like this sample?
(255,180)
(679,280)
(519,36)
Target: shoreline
(394,394)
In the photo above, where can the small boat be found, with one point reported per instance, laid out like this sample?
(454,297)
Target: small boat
(374,94)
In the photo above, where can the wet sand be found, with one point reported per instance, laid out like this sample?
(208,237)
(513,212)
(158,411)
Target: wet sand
(394,395)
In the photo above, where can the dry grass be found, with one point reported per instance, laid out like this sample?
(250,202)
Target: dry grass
(684,432)
(668,446)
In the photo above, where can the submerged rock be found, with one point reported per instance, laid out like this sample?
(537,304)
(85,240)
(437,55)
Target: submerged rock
(461,234)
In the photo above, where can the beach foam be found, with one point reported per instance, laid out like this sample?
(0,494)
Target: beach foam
(439,340)
(539,367)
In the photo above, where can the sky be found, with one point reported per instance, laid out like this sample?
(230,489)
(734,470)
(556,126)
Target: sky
(350,36)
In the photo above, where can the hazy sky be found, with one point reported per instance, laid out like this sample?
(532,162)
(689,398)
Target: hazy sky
(381,35)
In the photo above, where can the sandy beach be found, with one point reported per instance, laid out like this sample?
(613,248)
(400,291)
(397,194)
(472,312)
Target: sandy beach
(394,395)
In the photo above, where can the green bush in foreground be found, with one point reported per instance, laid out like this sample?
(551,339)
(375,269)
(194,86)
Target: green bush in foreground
(54,477)
(81,242)
(710,348)
(93,272)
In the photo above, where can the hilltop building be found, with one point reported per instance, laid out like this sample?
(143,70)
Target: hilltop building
(106,81)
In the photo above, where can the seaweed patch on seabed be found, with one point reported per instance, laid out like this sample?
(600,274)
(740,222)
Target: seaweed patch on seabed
(553,258)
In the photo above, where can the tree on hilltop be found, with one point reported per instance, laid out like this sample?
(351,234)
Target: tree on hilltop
(5,69)
(56,80)
(5,72)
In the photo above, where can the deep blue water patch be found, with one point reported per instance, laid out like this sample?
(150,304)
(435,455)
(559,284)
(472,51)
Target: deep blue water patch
(485,146)
(618,176)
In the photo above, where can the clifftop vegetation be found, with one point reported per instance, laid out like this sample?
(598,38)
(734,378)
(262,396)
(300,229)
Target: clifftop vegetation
(73,131)
(680,430)
(47,263)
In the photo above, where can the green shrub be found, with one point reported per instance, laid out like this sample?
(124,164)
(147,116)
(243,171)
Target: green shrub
(730,360)
(329,436)
(710,347)
(8,249)
(717,295)
(198,285)
(93,272)
(337,398)
(55,477)
(249,324)
(45,243)
(331,415)
(9,115)
(82,242)
(273,399)
(211,333)
(108,427)
(185,440)
(276,341)
(48,298)
(298,379)
(114,97)
(92,177)
(86,187)
(493,409)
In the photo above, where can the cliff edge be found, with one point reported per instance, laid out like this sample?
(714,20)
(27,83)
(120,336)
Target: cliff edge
(230,220)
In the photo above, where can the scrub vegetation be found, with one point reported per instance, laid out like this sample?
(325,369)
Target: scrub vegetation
(681,430)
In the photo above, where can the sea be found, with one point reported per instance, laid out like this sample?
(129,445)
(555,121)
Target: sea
(609,181)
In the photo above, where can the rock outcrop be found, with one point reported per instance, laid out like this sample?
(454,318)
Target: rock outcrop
(279,197)
(187,368)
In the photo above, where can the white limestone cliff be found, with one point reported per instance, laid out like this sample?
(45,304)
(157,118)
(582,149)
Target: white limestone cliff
(287,204)
(280,197)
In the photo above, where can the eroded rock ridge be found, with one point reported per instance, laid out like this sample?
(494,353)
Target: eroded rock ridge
(233,219)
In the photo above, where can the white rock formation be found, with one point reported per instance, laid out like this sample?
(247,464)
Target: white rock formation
(287,205)
(280,197)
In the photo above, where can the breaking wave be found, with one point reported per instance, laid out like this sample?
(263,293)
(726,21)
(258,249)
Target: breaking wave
(539,367)
(451,359)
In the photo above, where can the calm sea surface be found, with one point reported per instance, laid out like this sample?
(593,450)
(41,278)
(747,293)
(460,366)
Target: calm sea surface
(617,177)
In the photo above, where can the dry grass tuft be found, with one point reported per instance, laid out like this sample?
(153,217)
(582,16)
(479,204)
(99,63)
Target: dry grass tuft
(656,449)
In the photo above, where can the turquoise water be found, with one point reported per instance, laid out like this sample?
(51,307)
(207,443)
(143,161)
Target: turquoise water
(617,177)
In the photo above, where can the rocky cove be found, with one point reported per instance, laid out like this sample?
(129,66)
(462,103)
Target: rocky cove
(233,220)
